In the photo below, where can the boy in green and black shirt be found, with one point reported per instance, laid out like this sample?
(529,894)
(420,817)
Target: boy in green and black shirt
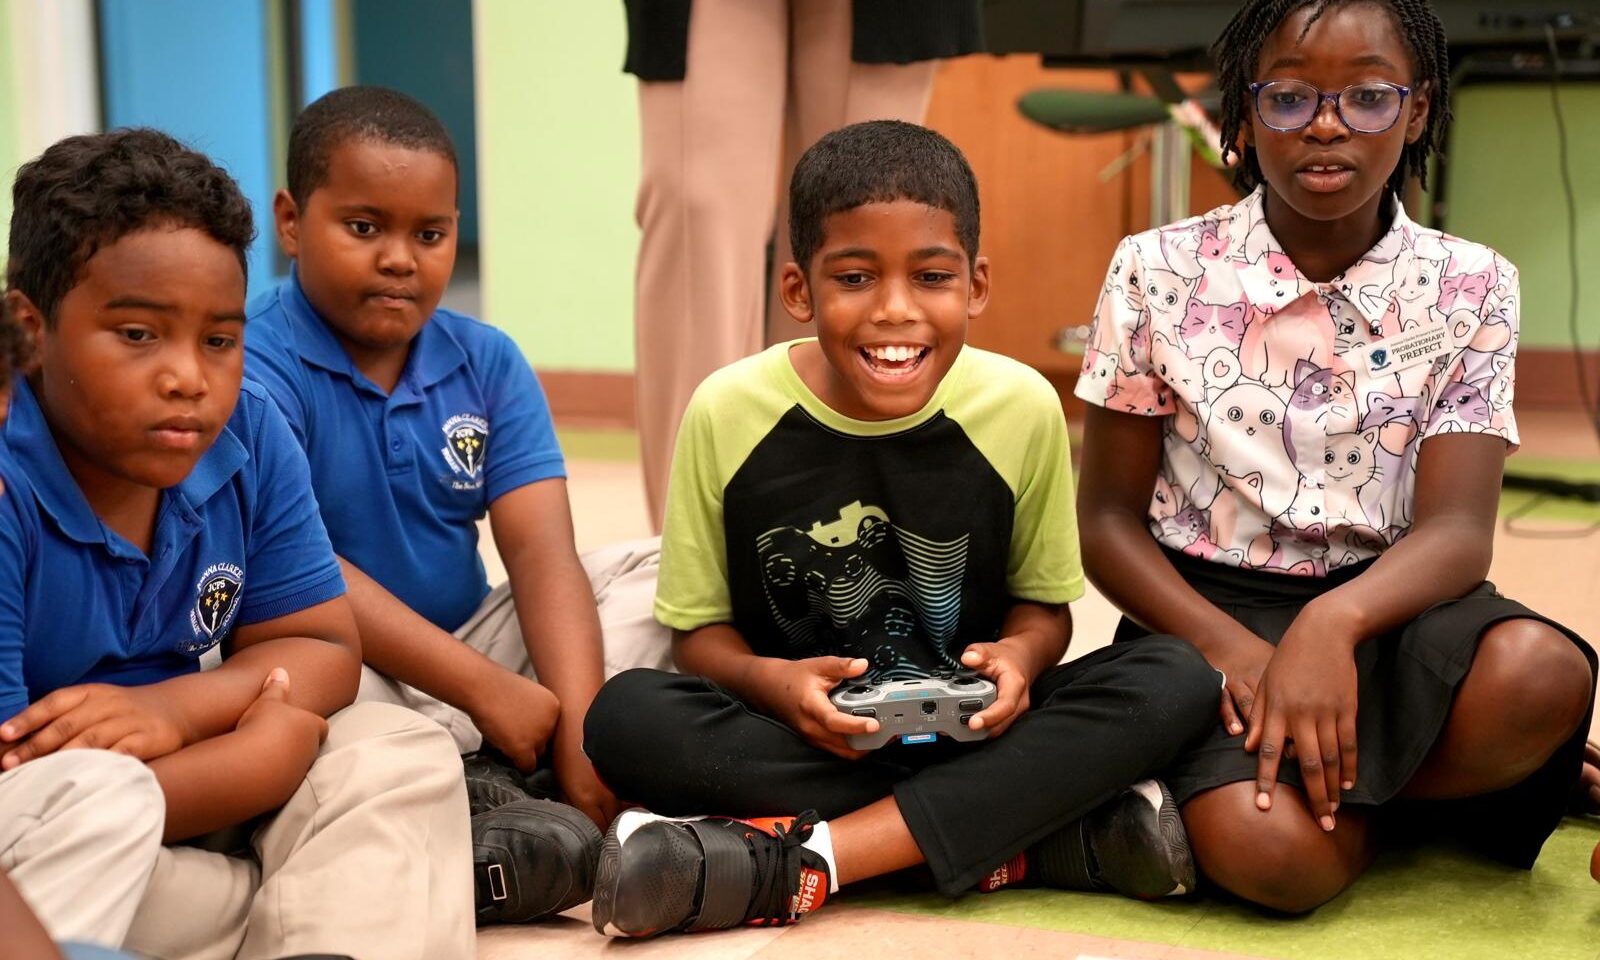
(882,502)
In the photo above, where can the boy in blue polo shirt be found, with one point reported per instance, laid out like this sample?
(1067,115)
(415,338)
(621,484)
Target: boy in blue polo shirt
(157,511)
(134,837)
(418,421)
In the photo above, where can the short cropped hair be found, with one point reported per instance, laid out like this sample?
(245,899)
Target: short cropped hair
(88,192)
(370,114)
(879,161)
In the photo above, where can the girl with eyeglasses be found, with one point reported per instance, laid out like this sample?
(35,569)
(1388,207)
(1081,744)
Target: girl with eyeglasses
(1299,410)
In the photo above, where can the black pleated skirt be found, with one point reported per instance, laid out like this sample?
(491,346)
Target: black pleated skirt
(1406,682)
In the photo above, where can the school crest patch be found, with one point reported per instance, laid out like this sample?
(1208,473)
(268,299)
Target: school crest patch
(216,601)
(466,442)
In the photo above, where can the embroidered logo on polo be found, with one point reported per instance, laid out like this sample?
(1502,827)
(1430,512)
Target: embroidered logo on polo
(466,443)
(216,603)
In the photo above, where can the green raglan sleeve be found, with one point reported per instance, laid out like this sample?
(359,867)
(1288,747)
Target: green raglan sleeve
(1045,564)
(692,591)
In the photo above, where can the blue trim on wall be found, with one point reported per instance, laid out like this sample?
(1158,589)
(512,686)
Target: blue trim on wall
(319,50)
(198,70)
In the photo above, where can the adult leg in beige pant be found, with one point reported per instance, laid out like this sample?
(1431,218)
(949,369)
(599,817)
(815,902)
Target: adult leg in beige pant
(828,91)
(80,832)
(623,577)
(369,858)
(709,180)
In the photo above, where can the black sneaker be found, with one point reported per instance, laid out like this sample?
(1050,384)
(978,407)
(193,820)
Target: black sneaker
(491,781)
(1133,844)
(659,874)
(531,859)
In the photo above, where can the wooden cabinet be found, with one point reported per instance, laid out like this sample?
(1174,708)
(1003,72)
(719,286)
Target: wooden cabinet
(1049,223)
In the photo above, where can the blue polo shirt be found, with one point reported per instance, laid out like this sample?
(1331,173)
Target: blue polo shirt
(405,477)
(239,541)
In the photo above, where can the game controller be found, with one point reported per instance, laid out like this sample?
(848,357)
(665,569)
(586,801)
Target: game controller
(915,711)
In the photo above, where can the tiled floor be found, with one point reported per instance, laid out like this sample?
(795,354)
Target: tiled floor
(1414,904)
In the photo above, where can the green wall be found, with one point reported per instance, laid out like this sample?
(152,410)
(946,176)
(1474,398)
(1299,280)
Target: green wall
(1505,190)
(558,165)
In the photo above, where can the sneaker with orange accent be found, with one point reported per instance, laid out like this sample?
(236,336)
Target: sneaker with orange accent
(1133,844)
(1009,874)
(661,874)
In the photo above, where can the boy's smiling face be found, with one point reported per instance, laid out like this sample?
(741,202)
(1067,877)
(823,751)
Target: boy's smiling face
(891,291)
(140,370)
(374,244)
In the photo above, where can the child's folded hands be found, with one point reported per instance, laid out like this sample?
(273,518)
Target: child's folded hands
(136,721)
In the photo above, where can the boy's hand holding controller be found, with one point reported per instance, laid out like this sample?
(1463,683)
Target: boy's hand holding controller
(1010,667)
(515,714)
(796,692)
(137,721)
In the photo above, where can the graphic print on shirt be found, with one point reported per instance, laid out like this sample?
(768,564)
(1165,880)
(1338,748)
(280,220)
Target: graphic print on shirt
(1207,326)
(466,445)
(861,575)
(1321,403)
(216,601)
(1289,445)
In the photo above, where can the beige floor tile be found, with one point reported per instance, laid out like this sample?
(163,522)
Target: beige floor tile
(570,937)
(1557,433)
(851,933)
(607,502)
(607,498)
(1558,578)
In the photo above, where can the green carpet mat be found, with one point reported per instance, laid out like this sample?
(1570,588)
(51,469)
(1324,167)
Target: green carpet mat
(1573,513)
(1428,902)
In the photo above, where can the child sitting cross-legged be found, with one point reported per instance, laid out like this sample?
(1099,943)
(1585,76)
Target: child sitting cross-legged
(882,502)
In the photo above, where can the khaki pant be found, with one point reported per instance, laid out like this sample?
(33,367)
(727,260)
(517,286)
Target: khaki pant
(623,577)
(371,858)
(760,75)
(80,833)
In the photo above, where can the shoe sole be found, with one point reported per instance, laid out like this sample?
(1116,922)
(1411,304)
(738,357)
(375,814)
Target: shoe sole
(610,913)
(1175,839)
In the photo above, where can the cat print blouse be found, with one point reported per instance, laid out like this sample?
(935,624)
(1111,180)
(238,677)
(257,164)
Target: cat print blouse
(1296,409)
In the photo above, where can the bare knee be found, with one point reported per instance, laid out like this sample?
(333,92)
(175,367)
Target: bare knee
(1279,859)
(1535,679)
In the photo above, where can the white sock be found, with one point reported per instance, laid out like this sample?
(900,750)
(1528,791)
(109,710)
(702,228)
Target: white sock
(821,843)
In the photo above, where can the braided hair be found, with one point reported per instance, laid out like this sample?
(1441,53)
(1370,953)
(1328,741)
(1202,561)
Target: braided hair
(1238,50)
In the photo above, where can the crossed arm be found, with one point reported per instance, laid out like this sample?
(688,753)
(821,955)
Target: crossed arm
(225,744)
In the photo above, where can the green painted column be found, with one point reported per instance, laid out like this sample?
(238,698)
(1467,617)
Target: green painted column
(558,161)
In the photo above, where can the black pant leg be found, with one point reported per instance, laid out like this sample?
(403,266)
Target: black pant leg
(682,745)
(1097,724)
